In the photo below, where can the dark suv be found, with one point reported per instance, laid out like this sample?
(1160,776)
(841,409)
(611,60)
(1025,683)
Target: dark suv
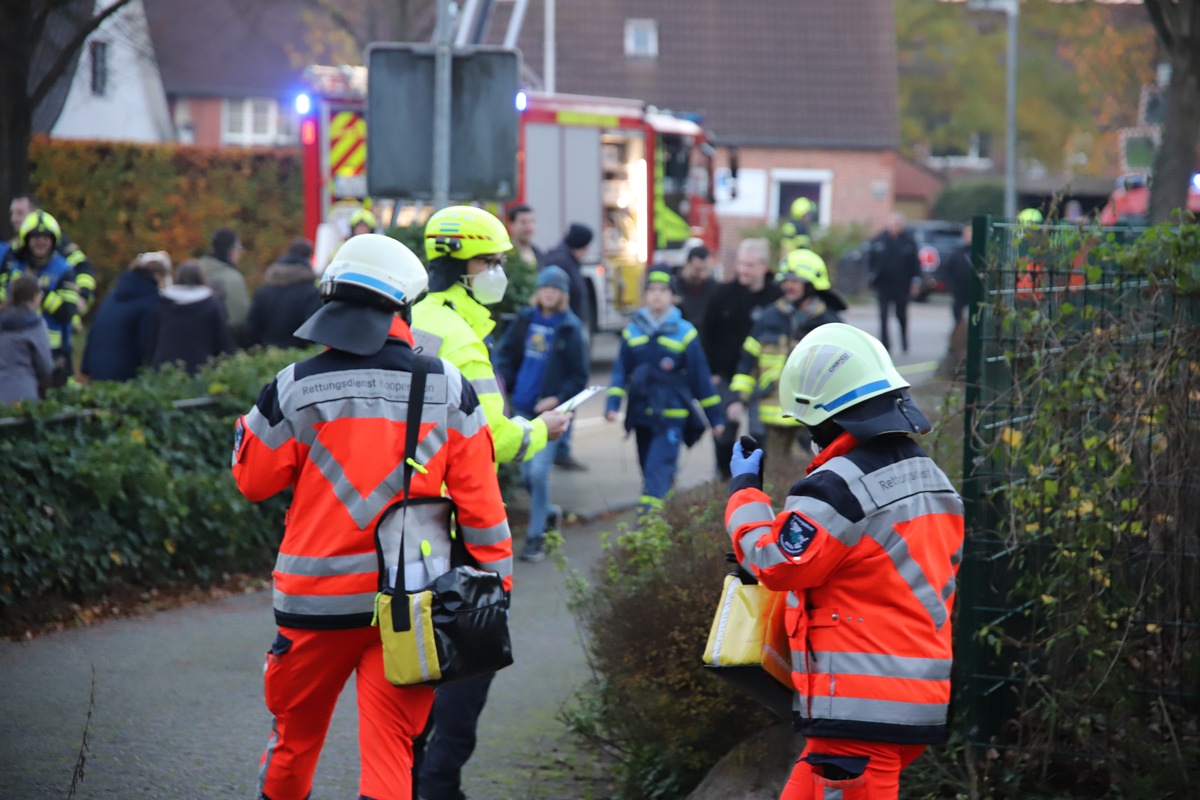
(936,240)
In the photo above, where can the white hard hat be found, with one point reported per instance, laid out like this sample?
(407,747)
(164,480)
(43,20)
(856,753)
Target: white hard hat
(371,266)
(836,368)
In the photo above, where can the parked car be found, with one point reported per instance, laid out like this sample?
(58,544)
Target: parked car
(936,240)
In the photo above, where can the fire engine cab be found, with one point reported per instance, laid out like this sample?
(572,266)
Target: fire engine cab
(640,178)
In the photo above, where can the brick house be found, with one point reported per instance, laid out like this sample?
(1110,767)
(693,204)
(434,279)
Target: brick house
(804,93)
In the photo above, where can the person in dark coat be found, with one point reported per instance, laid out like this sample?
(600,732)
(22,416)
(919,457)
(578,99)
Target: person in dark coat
(569,255)
(191,322)
(727,324)
(894,270)
(124,333)
(695,286)
(957,273)
(285,301)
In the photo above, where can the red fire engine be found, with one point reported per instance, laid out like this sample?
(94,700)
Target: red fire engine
(640,178)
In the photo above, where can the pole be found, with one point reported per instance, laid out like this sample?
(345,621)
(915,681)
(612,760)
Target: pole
(548,54)
(515,22)
(1013,9)
(442,66)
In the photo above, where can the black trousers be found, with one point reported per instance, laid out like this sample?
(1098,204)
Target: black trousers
(440,753)
(898,301)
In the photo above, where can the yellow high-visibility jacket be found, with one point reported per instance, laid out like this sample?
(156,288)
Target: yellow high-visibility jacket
(452,325)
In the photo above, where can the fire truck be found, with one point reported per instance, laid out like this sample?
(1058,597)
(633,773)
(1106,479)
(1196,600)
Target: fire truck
(640,178)
(1130,203)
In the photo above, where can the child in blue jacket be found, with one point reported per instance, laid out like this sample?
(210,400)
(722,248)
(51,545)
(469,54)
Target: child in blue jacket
(661,370)
(543,361)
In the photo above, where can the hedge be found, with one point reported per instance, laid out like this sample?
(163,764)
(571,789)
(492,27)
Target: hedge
(118,199)
(129,484)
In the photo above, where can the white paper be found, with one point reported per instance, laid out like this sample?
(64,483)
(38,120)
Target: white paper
(579,399)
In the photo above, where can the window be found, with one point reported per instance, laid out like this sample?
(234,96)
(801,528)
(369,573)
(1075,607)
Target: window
(256,121)
(98,51)
(641,38)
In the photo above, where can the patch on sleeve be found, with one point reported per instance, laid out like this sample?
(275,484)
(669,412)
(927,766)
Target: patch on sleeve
(796,535)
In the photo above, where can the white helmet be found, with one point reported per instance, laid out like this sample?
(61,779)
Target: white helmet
(371,268)
(838,367)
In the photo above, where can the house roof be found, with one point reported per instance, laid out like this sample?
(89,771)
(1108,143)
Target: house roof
(813,74)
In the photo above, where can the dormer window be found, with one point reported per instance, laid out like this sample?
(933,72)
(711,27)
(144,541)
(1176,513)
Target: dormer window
(641,38)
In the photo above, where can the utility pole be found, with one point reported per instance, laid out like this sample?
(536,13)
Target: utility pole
(1013,9)
(442,65)
(548,49)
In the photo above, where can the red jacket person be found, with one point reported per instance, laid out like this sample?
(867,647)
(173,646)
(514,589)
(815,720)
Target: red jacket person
(332,427)
(867,546)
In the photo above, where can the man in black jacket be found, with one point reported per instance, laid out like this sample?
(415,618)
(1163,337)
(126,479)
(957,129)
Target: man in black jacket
(894,269)
(727,324)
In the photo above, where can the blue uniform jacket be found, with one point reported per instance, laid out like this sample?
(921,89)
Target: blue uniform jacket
(661,369)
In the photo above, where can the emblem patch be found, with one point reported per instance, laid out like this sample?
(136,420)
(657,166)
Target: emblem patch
(666,365)
(239,434)
(796,535)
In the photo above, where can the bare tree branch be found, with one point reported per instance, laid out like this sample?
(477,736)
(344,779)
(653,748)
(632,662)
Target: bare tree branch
(69,51)
(1164,27)
(339,19)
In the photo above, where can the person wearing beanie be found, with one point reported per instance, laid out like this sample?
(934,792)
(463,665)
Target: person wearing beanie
(542,359)
(286,299)
(569,255)
(662,370)
(221,273)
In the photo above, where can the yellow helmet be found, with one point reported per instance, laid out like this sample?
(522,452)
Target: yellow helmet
(806,266)
(40,222)
(802,207)
(464,232)
(363,216)
(1029,216)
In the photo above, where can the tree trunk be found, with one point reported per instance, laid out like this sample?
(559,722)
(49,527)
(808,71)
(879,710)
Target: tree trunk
(16,116)
(1175,161)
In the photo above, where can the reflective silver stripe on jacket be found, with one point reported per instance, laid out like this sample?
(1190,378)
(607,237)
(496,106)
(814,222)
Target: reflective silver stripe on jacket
(487,536)
(484,386)
(327,567)
(753,555)
(825,515)
(426,342)
(503,567)
(364,509)
(324,605)
(879,665)
(526,434)
(890,712)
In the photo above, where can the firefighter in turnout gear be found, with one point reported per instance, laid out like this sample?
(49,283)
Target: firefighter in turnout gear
(332,428)
(85,271)
(465,248)
(867,548)
(795,232)
(808,302)
(36,254)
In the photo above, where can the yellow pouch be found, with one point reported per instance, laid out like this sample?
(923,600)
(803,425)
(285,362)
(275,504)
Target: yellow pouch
(748,644)
(409,656)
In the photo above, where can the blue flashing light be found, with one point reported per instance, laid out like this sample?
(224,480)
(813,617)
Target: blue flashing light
(522,101)
(1196,182)
(303,104)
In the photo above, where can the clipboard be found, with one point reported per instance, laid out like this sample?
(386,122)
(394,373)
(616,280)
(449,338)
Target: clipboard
(575,402)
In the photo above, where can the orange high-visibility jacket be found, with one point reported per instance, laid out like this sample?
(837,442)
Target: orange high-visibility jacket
(333,426)
(867,547)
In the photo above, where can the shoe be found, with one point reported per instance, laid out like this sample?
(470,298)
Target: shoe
(569,463)
(533,552)
(554,517)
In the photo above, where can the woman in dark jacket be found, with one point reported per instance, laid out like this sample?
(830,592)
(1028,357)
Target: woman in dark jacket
(543,362)
(191,322)
(285,301)
(123,334)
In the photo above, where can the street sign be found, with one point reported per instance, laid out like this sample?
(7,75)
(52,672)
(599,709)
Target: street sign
(483,122)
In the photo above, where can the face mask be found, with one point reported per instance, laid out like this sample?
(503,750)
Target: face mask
(488,286)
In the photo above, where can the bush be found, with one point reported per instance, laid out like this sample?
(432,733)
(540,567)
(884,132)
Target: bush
(962,200)
(118,199)
(647,612)
(128,484)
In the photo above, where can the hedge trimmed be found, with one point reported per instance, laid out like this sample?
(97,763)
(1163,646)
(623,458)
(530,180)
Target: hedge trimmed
(129,484)
(118,199)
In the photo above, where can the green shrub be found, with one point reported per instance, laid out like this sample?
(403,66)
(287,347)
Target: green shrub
(962,200)
(129,483)
(647,612)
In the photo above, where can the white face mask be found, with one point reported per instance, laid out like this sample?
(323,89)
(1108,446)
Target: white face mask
(488,286)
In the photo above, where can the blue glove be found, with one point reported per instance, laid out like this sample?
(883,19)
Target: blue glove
(742,464)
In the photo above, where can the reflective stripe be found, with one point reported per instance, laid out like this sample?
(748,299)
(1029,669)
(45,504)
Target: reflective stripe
(768,555)
(636,341)
(710,401)
(486,386)
(689,336)
(752,346)
(414,603)
(750,512)
(272,437)
(328,566)
(615,391)
(879,665)
(675,413)
(526,434)
(853,394)
(741,384)
(891,712)
(486,536)
(329,605)
(56,338)
(672,344)
(426,342)
(503,567)
(825,515)
(52,302)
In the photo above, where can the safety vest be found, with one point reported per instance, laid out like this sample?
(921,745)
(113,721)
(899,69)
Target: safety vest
(765,351)
(60,297)
(452,325)
(661,368)
(333,428)
(867,548)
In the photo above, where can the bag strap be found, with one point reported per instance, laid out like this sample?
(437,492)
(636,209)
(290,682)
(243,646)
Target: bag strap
(412,432)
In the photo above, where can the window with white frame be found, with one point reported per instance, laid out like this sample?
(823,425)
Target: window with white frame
(98,54)
(256,121)
(641,38)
